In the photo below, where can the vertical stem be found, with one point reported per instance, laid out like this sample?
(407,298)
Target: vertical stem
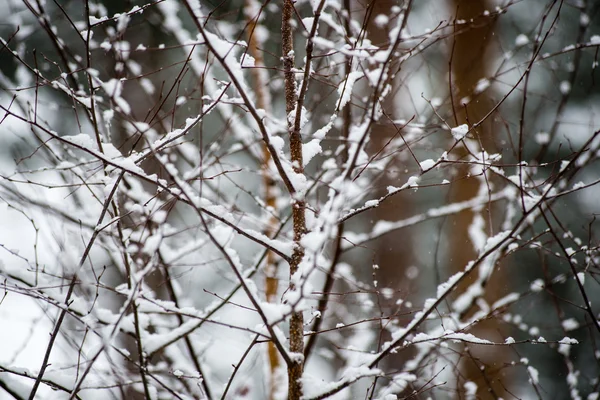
(296,365)
(260,80)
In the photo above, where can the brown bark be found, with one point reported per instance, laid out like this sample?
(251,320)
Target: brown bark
(468,65)
(296,365)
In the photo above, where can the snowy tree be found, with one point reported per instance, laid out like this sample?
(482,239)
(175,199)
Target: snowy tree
(313,199)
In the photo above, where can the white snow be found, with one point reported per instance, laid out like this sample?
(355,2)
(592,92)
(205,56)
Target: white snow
(470,390)
(275,312)
(578,185)
(482,85)
(81,140)
(372,203)
(427,164)
(413,181)
(534,375)
(345,88)
(496,240)
(310,150)
(568,340)
(465,337)
(460,132)
(308,23)
(247,61)
(542,137)
(443,288)
(521,40)
(508,299)
(381,20)
(565,87)
(570,324)
(537,285)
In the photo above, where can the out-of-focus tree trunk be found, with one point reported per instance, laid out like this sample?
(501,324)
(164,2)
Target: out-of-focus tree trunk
(468,66)
(393,252)
(260,79)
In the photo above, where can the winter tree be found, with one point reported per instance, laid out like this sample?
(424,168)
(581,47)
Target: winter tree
(394,199)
